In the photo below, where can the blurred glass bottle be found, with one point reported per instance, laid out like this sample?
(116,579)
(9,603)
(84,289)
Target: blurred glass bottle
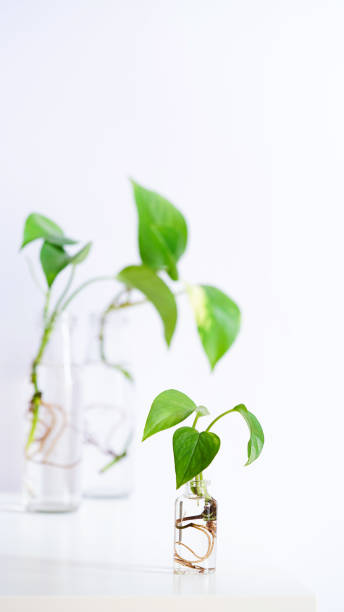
(106,399)
(52,477)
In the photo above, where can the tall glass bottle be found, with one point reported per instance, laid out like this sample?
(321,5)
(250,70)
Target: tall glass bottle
(108,412)
(195,530)
(52,478)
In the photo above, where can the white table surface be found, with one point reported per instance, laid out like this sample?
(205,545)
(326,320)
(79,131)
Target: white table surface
(102,557)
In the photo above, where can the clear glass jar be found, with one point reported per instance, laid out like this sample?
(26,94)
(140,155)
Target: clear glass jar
(107,398)
(195,530)
(52,478)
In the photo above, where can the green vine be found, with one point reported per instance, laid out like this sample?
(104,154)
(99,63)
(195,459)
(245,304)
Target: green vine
(49,325)
(162,241)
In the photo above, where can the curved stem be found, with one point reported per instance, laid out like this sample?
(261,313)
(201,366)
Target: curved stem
(96,279)
(114,305)
(65,291)
(195,421)
(218,417)
(33,275)
(46,305)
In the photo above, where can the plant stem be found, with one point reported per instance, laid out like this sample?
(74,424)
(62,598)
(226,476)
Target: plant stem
(65,291)
(113,461)
(199,478)
(36,398)
(48,328)
(96,279)
(218,417)
(200,487)
(114,305)
(46,305)
(195,421)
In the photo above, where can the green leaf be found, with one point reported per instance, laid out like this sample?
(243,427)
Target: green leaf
(256,441)
(37,226)
(193,452)
(156,291)
(202,410)
(54,259)
(162,231)
(168,409)
(217,318)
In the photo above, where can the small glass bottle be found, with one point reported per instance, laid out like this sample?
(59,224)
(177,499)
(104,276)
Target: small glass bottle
(195,530)
(106,397)
(52,479)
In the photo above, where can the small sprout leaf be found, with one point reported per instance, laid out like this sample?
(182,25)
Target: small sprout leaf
(202,410)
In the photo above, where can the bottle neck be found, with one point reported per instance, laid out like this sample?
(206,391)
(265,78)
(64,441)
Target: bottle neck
(197,488)
(58,350)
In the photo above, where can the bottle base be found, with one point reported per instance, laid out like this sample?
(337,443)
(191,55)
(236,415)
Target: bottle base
(51,507)
(189,571)
(103,494)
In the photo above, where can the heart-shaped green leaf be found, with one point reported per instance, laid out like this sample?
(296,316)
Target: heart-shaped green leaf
(38,226)
(256,441)
(168,409)
(54,259)
(193,452)
(162,231)
(217,318)
(156,291)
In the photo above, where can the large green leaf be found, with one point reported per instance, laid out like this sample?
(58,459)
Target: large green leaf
(54,259)
(162,231)
(168,409)
(193,452)
(156,291)
(217,318)
(256,441)
(38,226)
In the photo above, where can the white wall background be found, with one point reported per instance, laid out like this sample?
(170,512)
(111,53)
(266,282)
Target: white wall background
(234,110)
